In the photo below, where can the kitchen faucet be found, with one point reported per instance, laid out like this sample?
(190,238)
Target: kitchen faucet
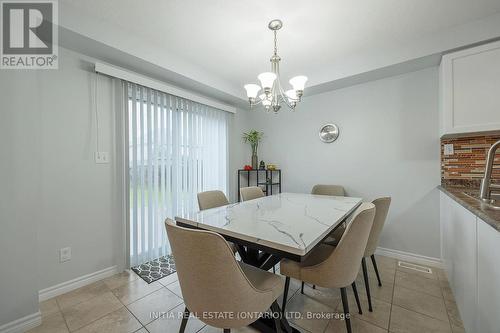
(486,187)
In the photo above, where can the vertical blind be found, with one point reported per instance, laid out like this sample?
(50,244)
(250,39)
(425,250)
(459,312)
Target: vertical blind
(177,148)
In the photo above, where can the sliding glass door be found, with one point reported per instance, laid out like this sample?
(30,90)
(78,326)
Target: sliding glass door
(177,148)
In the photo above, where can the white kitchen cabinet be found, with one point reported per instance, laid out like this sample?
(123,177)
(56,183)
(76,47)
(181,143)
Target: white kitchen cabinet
(464,255)
(446,234)
(470,251)
(460,257)
(488,278)
(470,90)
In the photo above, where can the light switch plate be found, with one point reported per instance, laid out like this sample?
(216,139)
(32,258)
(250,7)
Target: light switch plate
(65,254)
(448,149)
(101,157)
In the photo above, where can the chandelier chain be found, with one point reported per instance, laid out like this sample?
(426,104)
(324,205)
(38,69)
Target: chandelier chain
(275,42)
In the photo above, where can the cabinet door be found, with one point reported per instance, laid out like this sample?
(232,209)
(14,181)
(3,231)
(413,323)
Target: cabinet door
(463,279)
(488,278)
(470,81)
(446,232)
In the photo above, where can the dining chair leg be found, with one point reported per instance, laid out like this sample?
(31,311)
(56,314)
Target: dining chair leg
(355,290)
(302,288)
(367,284)
(343,293)
(374,262)
(274,270)
(184,321)
(285,294)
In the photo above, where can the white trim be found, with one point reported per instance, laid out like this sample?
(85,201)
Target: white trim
(411,257)
(81,281)
(22,324)
(158,85)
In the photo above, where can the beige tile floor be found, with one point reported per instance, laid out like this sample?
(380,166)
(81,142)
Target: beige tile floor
(408,301)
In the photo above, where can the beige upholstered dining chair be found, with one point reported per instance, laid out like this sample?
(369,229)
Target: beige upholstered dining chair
(250,193)
(382,208)
(335,267)
(334,237)
(334,190)
(213,282)
(212,199)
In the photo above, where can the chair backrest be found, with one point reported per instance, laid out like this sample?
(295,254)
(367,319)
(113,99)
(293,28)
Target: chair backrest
(211,280)
(382,206)
(250,193)
(334,190)
(212,199)
(342,266)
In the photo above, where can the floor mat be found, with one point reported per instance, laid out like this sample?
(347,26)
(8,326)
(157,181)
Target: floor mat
(156,269)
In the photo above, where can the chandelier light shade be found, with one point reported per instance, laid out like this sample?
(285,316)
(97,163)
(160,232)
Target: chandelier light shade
(252,90)
(273,95)
(298,83)
(267,80)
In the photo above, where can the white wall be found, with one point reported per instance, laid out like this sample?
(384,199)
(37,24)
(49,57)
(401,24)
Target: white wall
(388,145)
(80,197)
(53,194)
(20,191)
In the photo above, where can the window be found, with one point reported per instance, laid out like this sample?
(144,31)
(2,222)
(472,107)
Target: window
(177,148)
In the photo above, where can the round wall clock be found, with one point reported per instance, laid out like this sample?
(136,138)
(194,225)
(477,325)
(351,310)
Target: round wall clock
(329,133)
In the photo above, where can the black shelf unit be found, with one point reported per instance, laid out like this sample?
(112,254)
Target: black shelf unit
(269,174)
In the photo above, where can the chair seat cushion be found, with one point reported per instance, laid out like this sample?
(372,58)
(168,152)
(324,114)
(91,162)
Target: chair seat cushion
(292,268)
(263,280)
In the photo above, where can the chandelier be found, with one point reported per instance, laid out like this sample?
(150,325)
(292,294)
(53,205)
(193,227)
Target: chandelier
(273,95)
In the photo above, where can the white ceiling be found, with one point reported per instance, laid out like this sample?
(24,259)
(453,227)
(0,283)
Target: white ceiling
(229,39)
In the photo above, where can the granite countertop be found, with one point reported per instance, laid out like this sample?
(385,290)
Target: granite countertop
(481,210)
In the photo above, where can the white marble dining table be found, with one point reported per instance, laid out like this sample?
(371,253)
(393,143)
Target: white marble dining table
(289,224)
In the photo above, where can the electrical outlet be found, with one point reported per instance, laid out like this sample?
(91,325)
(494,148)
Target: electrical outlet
(65,254)
(101,157)
(448,149)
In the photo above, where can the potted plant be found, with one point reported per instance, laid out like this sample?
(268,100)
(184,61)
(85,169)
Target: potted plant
(253,137)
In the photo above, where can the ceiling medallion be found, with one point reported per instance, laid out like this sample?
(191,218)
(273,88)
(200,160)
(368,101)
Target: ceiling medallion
(273,94)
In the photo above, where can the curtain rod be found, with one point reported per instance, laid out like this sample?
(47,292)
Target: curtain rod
(127,75)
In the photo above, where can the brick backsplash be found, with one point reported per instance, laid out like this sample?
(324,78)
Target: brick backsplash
(466,165)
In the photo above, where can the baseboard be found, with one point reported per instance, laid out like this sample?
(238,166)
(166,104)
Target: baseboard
(81,281)
(22,324)
(411,257)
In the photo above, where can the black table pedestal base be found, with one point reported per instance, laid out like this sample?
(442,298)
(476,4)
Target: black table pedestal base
(266,325)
